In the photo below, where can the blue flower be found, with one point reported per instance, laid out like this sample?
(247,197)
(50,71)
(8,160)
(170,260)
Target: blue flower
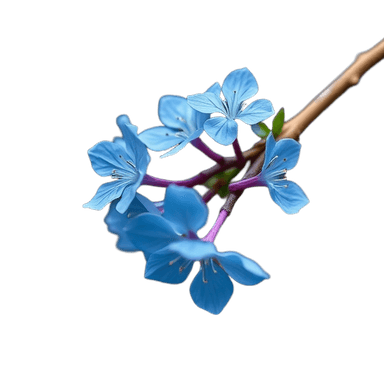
(238,86)
(281,156)
(182,124)
(126,160)
(116,221)
(173,247)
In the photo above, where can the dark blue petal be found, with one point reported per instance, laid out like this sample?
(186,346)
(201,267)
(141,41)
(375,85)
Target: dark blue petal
(174,111)
(160,138)
(150,233)
(240,268)
(167,267)
(257,111)
(238,86)
(124,243)
(185,209)
(214,294)
(206,103)
(291,198)
(116,221)
(194,249)
(105,194)
(221,129)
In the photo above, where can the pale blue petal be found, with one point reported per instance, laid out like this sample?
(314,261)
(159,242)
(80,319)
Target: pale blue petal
(291,198)
(120,141)
(175,149)
(238,86)
(105,157)
(167,267)
(180,146)
(215,88)
(240,268)
(185,209)
(213,295)
(136,149)
(123,120)
(206,103)
(150,233)
(160,138)
(288,152)
(127,196)
(174,112)
(221,129)
(193,249)
(257,111)
(270,144)
(105,194)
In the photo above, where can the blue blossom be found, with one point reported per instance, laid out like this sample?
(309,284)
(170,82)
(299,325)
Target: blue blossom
(182,124)
(125,159)
(117,221)
(173,246)
(238,86)
(281,156)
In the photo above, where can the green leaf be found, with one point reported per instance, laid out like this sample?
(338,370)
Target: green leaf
(278,123)
(261,130)
(221,181)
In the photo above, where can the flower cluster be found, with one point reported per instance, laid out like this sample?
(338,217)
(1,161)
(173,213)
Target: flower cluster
(166,231)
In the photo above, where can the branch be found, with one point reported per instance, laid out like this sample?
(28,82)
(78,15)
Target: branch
(296,126)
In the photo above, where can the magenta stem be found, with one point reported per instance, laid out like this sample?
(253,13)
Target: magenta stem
(216,227)
(255,181)
(156,182)
(238,152)
(208,195)
(201,146)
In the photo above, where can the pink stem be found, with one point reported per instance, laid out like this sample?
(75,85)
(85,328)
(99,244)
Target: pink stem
(216,227)
(155,182)
(255,181)
(200,145)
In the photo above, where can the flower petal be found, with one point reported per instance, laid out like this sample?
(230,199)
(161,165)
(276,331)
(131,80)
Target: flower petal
(150,233)
(160,138)
(124,243)
(180,146)
(105,194)
(116,221)
(167,267)
(123,120)
(206,103)
(194,250)
(286,150)
(174,112)
(214,294)
(136,150)
(221,129)
(291,198)
(127,196)
(215,88)
(185,209)
(105,158)
(257,111)
(238,86)
(240,268)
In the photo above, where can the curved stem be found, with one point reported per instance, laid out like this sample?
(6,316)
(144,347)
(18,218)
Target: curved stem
(209,195)
(201,146)
(238,153)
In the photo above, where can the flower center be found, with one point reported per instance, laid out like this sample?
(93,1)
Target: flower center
(128,172)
